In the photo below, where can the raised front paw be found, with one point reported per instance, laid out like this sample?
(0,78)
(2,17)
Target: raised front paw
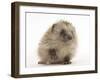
(67,60)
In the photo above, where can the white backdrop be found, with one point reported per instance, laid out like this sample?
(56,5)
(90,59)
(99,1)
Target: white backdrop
(5,41)
(37,25)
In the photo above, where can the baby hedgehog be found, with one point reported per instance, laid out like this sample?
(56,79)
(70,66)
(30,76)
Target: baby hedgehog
(58,44)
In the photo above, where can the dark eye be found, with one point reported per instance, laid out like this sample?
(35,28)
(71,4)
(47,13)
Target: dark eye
(63,32)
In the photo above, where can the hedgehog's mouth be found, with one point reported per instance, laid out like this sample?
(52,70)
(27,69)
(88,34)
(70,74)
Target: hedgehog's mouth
(66,38)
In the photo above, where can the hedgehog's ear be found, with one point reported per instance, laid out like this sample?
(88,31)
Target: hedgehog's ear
(53,26)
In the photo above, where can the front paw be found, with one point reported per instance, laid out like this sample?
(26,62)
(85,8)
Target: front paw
(69,62)
(41,62)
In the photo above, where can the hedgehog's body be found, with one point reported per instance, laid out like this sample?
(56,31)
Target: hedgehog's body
(58,44)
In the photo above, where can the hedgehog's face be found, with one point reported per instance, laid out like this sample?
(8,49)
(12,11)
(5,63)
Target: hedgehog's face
(65,36)
(63,32)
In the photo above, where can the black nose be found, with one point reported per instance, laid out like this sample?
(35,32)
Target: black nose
(69,37)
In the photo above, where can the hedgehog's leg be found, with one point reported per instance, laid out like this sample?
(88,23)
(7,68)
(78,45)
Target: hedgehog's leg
(67,60)
(52,53)
(41,62)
